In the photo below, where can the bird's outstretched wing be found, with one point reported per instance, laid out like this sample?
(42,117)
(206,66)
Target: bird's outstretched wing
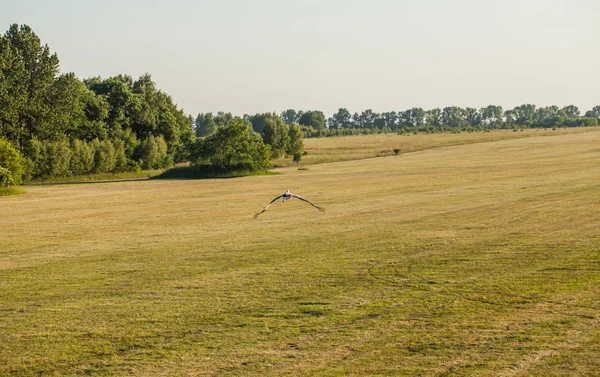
(264,209)
(306,200)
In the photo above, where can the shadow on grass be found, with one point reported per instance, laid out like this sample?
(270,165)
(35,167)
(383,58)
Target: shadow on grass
(177,172)
(206,172)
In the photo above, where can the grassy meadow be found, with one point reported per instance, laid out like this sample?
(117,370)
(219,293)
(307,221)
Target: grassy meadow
(348,148)
(474,259)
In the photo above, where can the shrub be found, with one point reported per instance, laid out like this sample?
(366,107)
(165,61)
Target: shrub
(82,158)
(152,153)
(47,159)
(5,177)
(12,163)
(104,156)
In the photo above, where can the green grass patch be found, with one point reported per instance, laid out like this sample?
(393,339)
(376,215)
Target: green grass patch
(143,174)
(11,190)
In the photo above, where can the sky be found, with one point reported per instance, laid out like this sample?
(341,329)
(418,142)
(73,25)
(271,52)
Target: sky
(256,56)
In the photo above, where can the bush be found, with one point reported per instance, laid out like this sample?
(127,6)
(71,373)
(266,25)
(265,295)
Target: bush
(152,153)
(104,156)
(12,164)
(82,158)
(6,178)
(47,159)
(233,147)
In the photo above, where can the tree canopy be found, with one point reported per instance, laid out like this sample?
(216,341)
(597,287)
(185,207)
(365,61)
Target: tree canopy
(233,147)
(56,120)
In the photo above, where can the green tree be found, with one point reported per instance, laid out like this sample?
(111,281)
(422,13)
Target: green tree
(433,117)
(492,114)
(314,119)
(593,113)
(104,156)
(275,134)
(223,119)
(205,125)
(295,146)
(524,115)
(52,158)
(472,116)
(37,72)
(11,160)
(571,111)
(152,153)
(259,121)
(233,147)
(82,157)
(341,119)
(290,116)
(13,92)
(453,116)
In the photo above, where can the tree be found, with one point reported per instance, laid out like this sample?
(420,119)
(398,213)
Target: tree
(524,115)
(571,111)
(314,119)
(453,116)
(341,119)
(433,117)
(11,160)
(205,125)
(37,70)
(122,102)
(275,134)
(223,119)
(390,119)
(152,153)
(259,121)
(295,145)
(233,148)
(290,116)
(472,116)
(13,93)
(366,119)
(593,113)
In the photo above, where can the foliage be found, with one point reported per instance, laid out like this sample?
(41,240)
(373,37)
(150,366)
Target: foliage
(50,116)
(233,147)
(11,162)
(152,153)
(275,134)
(314,119)
(205,125)
(295,145)
(6,178)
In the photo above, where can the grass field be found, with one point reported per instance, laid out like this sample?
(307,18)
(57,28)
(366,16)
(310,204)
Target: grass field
(348,148)
(476,259)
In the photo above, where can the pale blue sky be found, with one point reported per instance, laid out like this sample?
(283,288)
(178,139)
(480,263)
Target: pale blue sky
(271,55)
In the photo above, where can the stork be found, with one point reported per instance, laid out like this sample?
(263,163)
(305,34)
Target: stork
(285,196)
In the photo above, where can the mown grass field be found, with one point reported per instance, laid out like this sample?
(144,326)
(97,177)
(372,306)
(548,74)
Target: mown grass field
(347,148)
(476,259)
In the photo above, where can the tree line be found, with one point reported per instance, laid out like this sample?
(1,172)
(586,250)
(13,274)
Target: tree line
(313,123)
(54,124)
(447,119)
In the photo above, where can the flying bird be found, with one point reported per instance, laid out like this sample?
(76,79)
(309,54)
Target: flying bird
(285,196)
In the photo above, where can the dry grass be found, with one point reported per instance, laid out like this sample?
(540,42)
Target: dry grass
(480,259)
(347,148)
